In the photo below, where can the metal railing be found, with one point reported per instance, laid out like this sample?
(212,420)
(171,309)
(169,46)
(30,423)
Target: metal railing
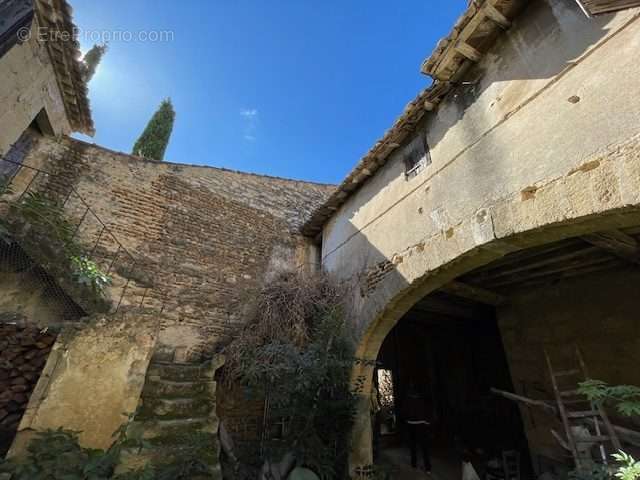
(94,236)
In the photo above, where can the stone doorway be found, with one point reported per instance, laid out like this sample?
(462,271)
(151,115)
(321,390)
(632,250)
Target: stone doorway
(446,354)
(577,291)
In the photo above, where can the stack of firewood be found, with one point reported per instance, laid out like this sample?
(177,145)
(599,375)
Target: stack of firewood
(23,353)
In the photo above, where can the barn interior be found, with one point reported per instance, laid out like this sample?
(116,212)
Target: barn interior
(501,330)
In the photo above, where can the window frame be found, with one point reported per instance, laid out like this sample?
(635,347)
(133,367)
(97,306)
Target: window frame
(413,168)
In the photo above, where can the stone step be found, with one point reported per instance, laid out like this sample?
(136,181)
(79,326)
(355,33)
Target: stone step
(176,372)
(151,429)
(132,458)
(158,387)
(170,408)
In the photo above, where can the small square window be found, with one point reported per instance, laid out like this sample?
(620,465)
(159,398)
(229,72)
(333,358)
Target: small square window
(416,156)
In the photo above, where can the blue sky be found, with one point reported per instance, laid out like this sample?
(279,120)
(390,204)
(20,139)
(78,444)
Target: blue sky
(299,89)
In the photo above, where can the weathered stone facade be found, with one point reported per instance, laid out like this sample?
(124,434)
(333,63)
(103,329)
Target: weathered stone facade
(92,380)
(40,72)
(204,238)
(532,136)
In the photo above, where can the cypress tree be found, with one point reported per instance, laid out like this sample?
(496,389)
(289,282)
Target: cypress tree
(155,137)
(91,60)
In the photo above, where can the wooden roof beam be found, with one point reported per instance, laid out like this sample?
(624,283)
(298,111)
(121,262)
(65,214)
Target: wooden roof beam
(476,294)
(617,243)
(430,304)
(494,14)
(468,51)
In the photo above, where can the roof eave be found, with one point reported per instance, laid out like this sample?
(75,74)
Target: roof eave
(64,50)
(470,37)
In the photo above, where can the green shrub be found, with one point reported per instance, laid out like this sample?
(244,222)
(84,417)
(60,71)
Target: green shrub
(627,401)
(297,352)
(57,455)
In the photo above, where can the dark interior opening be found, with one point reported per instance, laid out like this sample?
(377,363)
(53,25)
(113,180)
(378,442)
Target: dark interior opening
(448,353)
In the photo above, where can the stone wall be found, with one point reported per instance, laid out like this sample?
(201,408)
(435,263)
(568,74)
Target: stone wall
(28,86)
(32,310)
(597,313)
(92,380)
(204,238)
(495,143)
(537,142)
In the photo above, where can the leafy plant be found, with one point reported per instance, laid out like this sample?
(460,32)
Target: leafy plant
(627,401)
(297,352)
(626,397)
(40,211)
(87,272)
(91,60)
(629,467)
(43,212)
(57,455)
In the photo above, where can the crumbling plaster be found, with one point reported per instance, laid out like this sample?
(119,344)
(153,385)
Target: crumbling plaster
(540,142)
(92,379)
(542,161)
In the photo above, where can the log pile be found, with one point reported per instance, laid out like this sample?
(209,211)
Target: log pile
(23,353)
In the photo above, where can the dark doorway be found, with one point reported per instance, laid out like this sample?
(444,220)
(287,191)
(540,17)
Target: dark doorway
(447,352)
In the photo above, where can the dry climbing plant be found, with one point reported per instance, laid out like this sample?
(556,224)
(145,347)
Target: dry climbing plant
(297,351)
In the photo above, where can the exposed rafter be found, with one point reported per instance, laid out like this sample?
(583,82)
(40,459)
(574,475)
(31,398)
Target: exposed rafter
(468,51)
(471,36)
(431,304)
(617,243)
(494,14)
(476,294)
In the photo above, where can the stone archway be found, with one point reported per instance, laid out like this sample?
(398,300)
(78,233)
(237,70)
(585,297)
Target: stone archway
(600,195)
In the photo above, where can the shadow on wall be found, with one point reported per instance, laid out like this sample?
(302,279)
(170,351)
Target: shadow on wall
(552,34)
(543,41)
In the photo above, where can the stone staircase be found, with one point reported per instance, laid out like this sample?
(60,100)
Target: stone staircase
(176,421)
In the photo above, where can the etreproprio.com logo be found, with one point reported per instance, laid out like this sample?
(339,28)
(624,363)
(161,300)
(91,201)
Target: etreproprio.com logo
(45,34)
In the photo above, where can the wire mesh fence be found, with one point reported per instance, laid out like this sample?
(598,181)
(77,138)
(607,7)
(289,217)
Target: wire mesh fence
(32,290)
(45,215)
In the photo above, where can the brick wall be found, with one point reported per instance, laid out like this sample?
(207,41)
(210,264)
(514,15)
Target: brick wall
(206,238)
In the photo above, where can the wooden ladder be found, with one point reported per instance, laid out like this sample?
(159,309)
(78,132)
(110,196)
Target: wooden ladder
(575,408)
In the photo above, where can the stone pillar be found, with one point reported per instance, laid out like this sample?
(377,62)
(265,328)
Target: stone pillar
(361,455)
